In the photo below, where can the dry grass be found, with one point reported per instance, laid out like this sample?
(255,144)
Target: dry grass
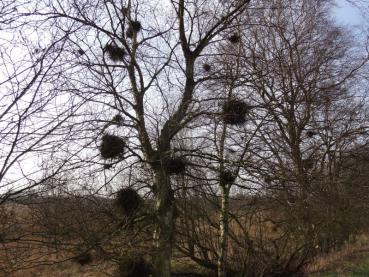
(350,256)
(66,269)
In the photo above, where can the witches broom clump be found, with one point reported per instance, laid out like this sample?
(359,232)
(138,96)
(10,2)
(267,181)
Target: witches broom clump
(308,163)
(81,52)
(112,146)
(115,52)
(206,67)
(83,259)
(310,134)
(125,11)
(117,119)
(134,27)
(234,38)
(134,267)
(235,111)
(176,165)
(173,165)
(128,201)
(227,177)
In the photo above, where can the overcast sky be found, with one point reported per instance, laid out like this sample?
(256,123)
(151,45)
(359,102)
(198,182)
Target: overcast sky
(349,15)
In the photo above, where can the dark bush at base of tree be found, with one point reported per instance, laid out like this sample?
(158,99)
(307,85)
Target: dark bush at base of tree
(83,259)
(134,267)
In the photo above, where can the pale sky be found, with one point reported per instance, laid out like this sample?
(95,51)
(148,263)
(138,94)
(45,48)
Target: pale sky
(348,15)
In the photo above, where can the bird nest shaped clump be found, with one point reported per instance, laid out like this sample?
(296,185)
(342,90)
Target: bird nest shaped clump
(227,177)
(235,111)
(176,165)
(112,146)
(125,11)
(128,201)
(134,27)
(310,134)
(80,52)
(172,165)
(268,179)
(115,52)
(117,119)
(308,163)
(134,267)
(234,38)
(83,259)
(206,67)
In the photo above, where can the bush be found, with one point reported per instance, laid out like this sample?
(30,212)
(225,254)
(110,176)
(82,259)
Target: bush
(134,267)
(83,259)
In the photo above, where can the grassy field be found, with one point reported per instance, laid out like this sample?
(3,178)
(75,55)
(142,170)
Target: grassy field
(352,261)
(351,271)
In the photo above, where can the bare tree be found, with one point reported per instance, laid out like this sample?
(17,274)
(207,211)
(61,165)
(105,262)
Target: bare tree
(144,68)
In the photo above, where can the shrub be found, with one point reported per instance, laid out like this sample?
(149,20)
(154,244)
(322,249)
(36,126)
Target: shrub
(83,259)
(308,163)
(134,267)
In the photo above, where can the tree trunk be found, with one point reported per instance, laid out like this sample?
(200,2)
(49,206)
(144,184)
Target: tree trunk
(164,232)
(223,231)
